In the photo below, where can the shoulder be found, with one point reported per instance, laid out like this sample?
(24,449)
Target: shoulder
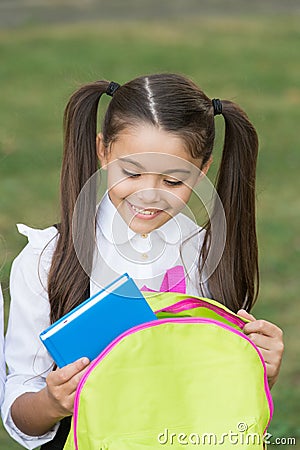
(38,239)
(32,264)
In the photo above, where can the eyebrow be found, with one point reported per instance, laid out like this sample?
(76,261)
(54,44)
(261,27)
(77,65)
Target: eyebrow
(136,163)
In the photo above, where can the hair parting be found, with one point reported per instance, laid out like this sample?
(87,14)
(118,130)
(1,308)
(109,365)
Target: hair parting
(151,101)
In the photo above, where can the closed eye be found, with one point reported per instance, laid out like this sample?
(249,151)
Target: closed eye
(136,175)
(173,183)
(131,174)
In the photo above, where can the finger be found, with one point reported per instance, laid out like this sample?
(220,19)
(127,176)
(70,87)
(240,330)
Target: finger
(65,374)
(245,315)
(71,399)
(261,341)
(263,327)
(267,356)
(67,404)
(272,372)
(72,384)
(272,359)
(272,368)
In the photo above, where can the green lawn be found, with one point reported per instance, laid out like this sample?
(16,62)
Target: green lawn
(253,61)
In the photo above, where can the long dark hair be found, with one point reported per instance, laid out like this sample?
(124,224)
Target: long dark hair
(177,105)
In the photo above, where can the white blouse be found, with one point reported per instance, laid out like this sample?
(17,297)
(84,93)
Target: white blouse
(2,361)
(144,257)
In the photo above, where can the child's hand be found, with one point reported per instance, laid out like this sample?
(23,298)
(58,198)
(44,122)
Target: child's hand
(62,384)
(268,338)
(35,413)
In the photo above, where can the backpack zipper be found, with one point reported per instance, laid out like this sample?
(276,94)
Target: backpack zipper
(154,323)
(190,303)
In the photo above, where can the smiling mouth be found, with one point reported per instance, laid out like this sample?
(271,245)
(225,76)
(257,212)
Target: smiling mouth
(145,212)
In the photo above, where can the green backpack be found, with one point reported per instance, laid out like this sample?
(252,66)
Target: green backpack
(191,378)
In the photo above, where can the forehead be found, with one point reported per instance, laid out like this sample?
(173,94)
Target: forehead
(153,149)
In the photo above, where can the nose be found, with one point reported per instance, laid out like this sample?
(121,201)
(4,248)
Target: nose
(149,192)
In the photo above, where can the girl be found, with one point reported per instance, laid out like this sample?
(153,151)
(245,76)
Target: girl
(158,131)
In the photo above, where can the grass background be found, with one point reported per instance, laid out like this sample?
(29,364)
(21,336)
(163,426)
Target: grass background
(251,59)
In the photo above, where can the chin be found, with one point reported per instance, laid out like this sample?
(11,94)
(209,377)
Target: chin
(143,228)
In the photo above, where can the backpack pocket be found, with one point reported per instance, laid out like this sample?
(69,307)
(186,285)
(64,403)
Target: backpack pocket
(241,433)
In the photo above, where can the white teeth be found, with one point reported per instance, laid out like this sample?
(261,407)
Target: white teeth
(143,211)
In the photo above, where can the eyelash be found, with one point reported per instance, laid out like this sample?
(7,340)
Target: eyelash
(173,183)
(136,175)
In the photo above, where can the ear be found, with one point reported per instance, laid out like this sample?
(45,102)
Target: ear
(101,151)
(204,169)
(207,165)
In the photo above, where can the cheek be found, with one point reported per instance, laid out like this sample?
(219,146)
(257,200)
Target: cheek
(179,197)
(113,177)
(118,188)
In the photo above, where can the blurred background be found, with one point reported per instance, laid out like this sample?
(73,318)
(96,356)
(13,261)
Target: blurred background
(248,52)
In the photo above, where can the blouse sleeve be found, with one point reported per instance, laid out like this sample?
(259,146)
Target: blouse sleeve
(27,360)
(2,361)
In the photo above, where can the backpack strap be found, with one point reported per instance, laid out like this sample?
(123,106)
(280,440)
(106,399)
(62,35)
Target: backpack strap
(59,440)
(173,281)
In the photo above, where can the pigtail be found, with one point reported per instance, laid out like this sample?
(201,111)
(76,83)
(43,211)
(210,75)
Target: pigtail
(235,281)
(68,279)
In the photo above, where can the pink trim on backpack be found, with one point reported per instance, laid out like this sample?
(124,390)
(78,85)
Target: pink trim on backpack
(192,303)
(174,281)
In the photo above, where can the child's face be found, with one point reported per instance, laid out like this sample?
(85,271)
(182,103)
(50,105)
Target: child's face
(150,175)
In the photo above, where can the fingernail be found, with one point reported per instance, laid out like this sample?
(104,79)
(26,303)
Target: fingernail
(85,361)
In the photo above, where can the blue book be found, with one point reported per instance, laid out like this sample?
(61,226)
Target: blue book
(91,326)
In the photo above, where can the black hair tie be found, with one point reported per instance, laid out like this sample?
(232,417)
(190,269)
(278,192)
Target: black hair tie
(217,105)
(112,88)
